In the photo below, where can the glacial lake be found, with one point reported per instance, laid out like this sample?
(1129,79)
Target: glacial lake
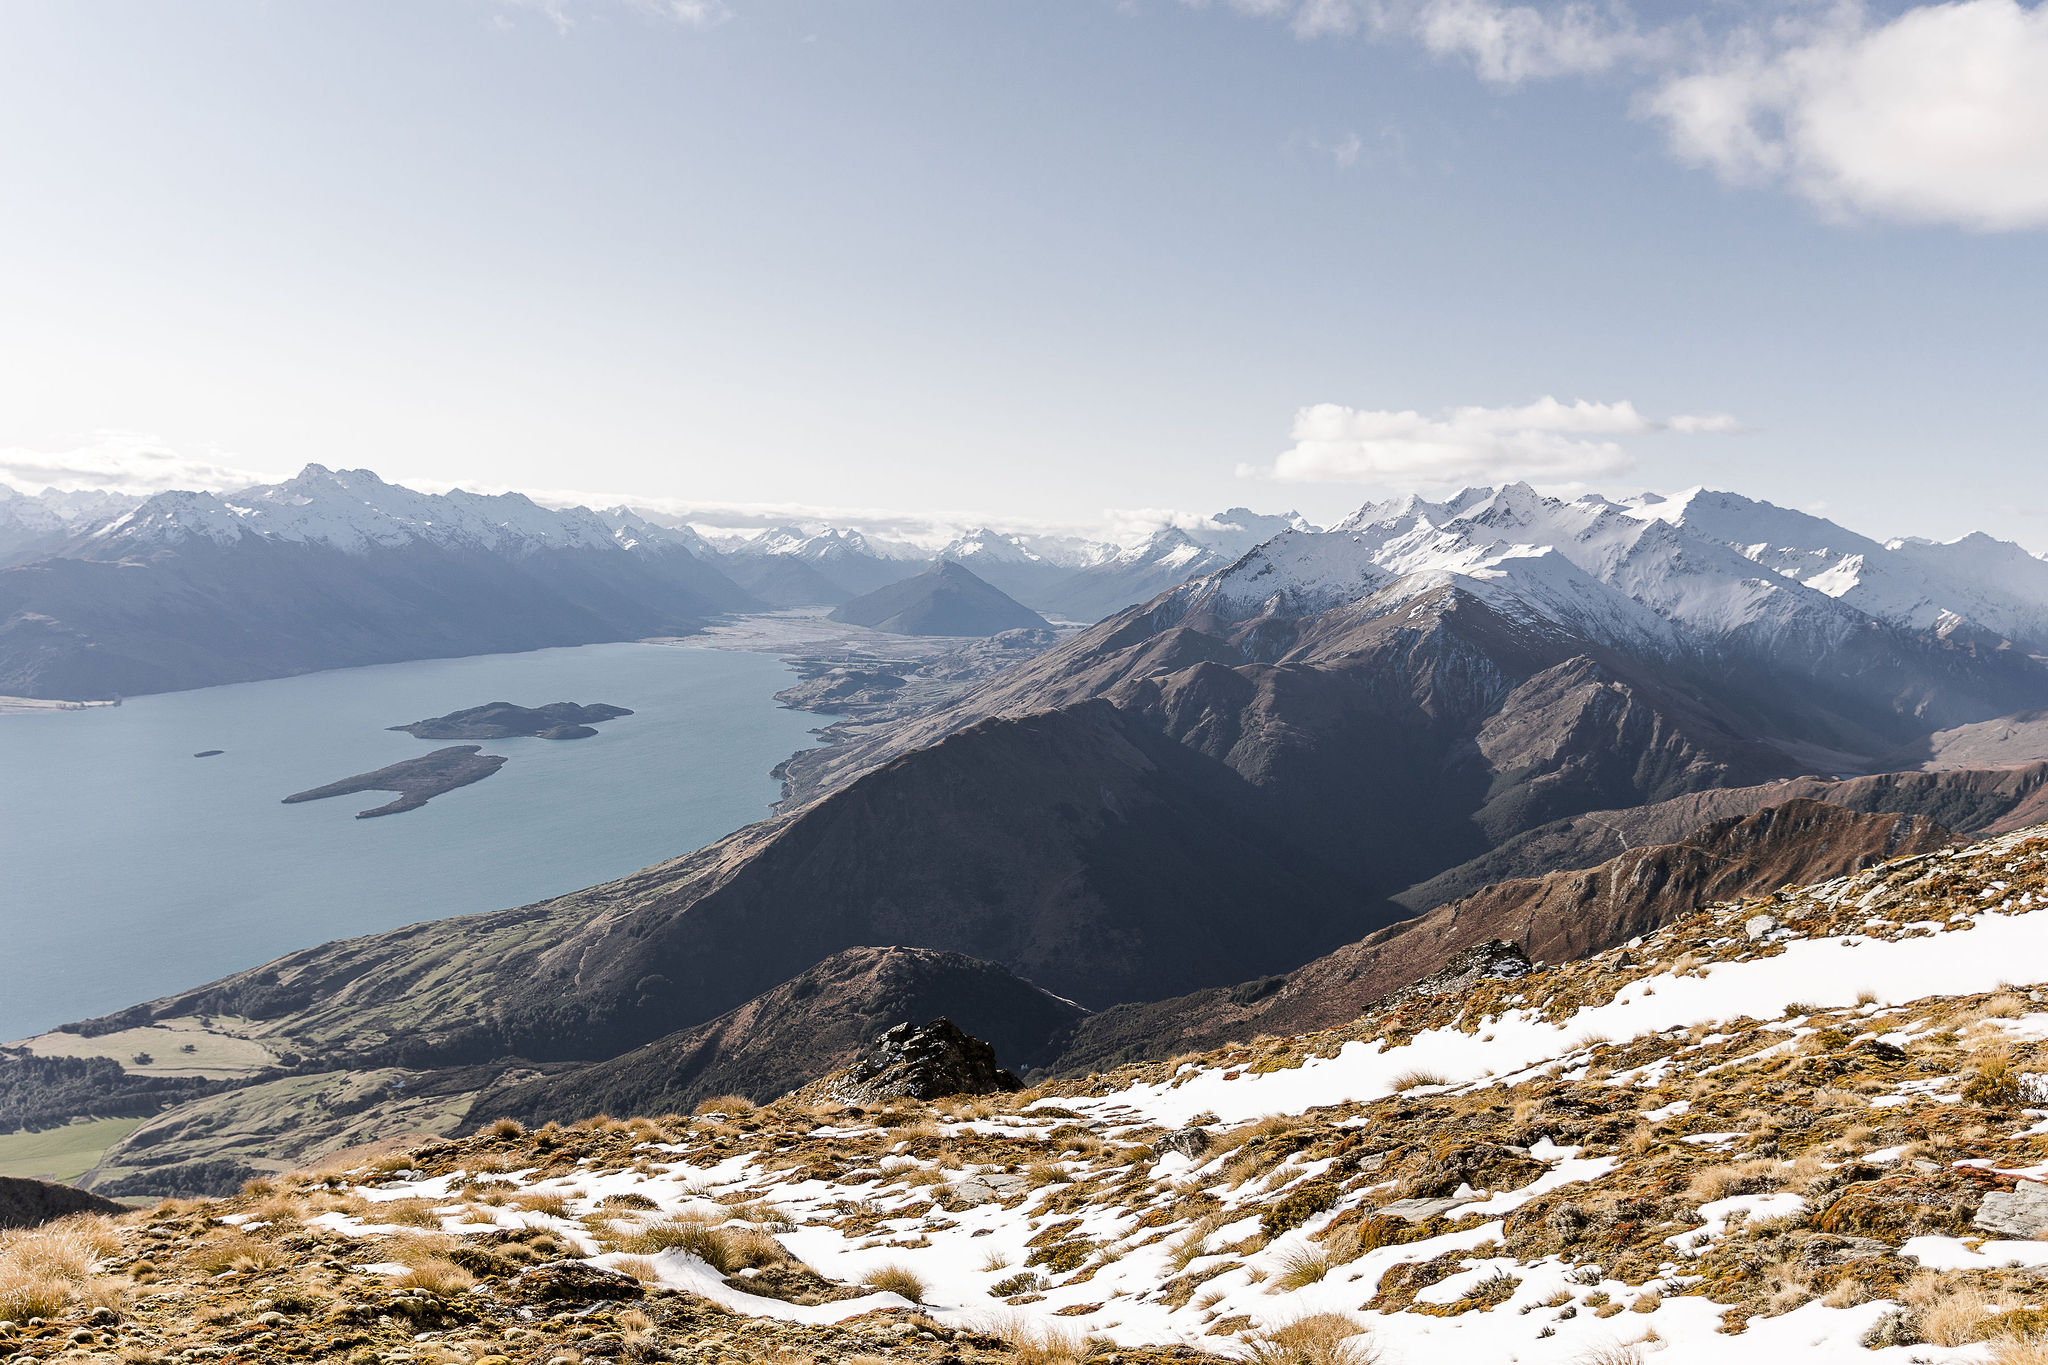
(130,869)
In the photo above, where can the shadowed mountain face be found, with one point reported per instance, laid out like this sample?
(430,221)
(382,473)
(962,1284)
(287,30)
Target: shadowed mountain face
(31,1203)
(1555,918)
(945,599)
(211,614)
(815,1023)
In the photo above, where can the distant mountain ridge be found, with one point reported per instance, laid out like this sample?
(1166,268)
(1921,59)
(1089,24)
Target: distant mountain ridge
(335,569)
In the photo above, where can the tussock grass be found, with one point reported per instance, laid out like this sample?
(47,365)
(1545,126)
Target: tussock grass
(1190,1246)
(1610,1353)
(697,1236)
(412,1213)
(438,1276)
(730,1105)
(639,1267)
(45,1270)
(1300,1267)
(1318,1339)
(1415,1078)
(1038,1343)
(549,1202)
(1954,1314)
(502,1128)
(1722,1182)
(897,1279)
(236,1251)
(627,1201)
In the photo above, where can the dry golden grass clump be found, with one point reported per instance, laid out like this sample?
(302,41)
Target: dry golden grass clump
(1317,1339)
(438,1276)
(724,1249)
(897,1279)
(45,1270)
(550,1202)
(236,1251)
(730,1105)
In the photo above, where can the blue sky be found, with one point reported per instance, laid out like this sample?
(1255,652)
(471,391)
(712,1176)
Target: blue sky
(1035,261)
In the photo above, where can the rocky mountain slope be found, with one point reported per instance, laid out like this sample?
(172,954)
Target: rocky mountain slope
(1559,917)
(1802,1128)
(946,599)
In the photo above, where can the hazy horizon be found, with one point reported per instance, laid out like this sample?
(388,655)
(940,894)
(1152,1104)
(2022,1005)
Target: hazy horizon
(1029,264)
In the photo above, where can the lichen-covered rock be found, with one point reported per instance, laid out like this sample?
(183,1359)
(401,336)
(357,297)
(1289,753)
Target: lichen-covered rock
(1897,1208)
(1187,1142)
(2021,1213)
(574,1282)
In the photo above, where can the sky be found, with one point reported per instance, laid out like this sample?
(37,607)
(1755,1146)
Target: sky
(1034,261)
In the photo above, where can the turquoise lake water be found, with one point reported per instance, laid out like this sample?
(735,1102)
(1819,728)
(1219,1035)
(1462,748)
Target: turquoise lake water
(130,869)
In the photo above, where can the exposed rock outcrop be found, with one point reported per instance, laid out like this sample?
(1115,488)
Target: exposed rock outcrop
(919,1063)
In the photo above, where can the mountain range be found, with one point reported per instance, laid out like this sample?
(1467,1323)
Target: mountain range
(1296,779)
(104,595)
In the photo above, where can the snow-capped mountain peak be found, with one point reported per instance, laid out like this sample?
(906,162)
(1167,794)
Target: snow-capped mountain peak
(1677,572)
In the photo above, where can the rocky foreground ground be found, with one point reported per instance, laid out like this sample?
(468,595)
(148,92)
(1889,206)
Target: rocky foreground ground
(1805,1127)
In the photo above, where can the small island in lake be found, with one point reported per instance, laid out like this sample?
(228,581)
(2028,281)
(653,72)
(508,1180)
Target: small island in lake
(503,720)
(417,780)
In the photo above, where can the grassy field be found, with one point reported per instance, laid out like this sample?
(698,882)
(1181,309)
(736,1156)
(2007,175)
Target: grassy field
(61,1153)
(217,1049)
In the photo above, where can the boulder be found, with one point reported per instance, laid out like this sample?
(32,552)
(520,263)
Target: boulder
(1494,960)
(573,1282)
(990,1187)
(917,1063)
(2022,1213)
(1187,1142)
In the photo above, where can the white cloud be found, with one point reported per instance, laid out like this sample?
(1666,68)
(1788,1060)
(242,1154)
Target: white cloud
(689,13)
(1508,44)
(1546,440)
(1505,44)
(1935,114)
(1939,115)
(694,13)
(123,462)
